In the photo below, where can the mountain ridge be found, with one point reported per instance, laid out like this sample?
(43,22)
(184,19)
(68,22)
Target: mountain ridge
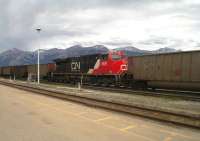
(16,56)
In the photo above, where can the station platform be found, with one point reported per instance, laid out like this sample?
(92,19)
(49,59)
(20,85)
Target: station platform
(26,116)
(168,104)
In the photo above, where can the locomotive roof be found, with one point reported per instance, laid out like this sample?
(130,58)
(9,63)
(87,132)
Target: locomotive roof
(81,56)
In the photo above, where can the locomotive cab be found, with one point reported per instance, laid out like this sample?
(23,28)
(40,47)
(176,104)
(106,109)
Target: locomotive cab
(113,63)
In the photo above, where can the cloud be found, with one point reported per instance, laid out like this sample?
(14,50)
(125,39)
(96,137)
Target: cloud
(141,23)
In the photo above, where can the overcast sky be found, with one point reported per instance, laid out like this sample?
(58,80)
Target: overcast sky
(146,24)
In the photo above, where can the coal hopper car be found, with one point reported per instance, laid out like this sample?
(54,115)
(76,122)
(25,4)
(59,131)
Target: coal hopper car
(19,72)
(179,70)
(45,70)
(6,72)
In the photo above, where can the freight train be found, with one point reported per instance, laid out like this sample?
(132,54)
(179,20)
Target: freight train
(179,70)
(26,71)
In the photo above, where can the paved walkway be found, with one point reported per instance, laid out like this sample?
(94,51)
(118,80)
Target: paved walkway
(25,116)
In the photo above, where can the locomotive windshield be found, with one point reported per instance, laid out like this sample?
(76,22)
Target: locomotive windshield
(104,57)
(116,57)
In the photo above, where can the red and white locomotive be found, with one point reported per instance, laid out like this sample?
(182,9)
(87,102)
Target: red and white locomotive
(113,63)
(95,68)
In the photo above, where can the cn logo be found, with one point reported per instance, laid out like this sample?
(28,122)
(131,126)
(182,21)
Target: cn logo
(75,66)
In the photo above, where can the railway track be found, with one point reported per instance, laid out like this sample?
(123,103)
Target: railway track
(173,117)
(185,95)
(175,94)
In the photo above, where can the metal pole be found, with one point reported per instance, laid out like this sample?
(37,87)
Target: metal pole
(38,74)
(38,66)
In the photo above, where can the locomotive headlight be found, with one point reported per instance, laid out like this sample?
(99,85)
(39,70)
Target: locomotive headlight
(124,67)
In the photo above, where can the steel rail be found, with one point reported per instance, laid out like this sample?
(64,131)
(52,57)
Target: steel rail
(185,95)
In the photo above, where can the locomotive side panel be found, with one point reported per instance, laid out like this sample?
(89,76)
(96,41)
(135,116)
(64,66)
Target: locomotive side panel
(61,66)
(88,63)
(76,65)
(69,65)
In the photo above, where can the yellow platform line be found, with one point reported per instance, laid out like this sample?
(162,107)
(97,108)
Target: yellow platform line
(172,133)
(176,134)
(56,109)
(128,127)
(102,119)
(82,113)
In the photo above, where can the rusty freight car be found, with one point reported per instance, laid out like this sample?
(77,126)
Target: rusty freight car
(44,70)
(0,71)
(180,70)
(19,71)
(6,71)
